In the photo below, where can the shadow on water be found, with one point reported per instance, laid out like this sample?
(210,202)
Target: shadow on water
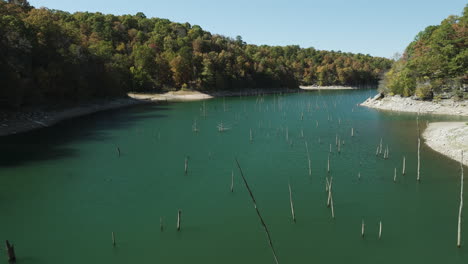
(53,142)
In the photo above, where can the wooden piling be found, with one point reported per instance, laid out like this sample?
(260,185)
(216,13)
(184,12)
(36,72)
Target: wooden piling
(186,165)
(118,151)
(394,176)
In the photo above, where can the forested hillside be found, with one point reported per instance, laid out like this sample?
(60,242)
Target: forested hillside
(54,56)
(436,62)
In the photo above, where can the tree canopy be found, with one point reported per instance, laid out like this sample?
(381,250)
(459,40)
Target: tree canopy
(54,56)
(435,62)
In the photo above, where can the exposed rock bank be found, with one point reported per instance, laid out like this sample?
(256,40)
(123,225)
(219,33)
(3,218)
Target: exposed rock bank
(172,96)
(183,96)
(13,122)
(26,120)
(448,138)
(337,87)
(406,104)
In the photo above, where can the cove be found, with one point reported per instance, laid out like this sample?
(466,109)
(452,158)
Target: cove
(64,189)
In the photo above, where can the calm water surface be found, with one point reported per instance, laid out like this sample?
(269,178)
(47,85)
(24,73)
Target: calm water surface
(64,189)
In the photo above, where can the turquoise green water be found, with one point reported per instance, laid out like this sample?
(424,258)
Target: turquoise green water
(64,189)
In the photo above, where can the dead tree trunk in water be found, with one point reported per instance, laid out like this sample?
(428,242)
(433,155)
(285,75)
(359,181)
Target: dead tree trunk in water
(270,242)
(10,251)
(308,159)
(419,158)
(232,181)
(419,149)
(329,191)
(362,228)
(380,229)
(404,165)
(179,215)
(292,203)
(113,239)
(461,204)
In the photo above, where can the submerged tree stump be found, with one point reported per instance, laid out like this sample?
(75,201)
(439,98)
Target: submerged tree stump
(10,251)
(179,214)
(113,239)
(362,228)
(291,203)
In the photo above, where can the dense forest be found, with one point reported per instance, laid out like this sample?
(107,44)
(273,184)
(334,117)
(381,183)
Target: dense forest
(435,63)
(54,56)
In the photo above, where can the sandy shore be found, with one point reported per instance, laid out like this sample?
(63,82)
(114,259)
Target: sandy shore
(315,87)
(406,104)
(26,120)
(448,138)
(183,96)
(172,96)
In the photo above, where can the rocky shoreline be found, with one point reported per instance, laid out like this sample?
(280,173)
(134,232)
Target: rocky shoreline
(335,87)
(406,104)
(14,122)
(448,138)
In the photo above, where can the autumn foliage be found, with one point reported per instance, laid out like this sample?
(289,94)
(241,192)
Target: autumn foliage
(54,56)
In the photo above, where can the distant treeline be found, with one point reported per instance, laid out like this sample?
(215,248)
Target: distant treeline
(436,62)
(54,56)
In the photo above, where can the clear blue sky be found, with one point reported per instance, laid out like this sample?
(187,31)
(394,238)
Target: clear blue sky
(376,27)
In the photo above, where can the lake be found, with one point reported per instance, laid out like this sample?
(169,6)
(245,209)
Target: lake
(65,189)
